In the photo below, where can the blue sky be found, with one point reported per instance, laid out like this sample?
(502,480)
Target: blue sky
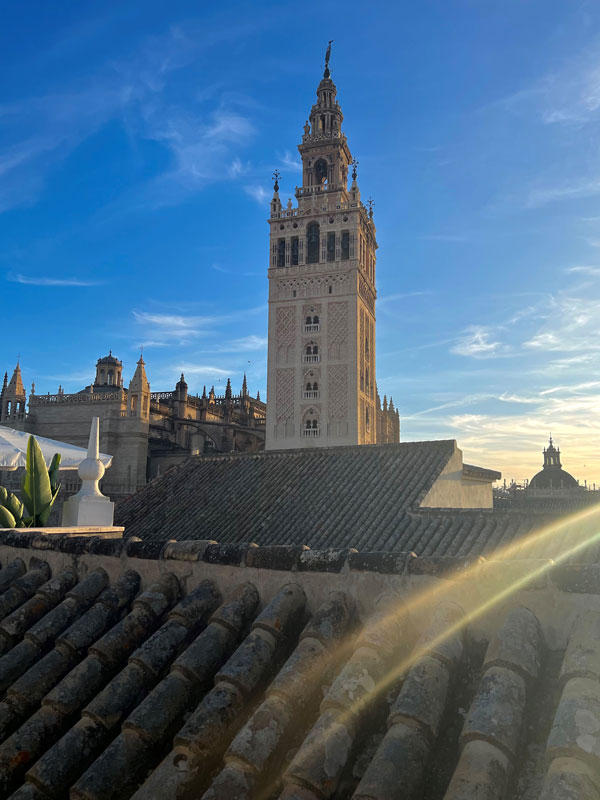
(137,141)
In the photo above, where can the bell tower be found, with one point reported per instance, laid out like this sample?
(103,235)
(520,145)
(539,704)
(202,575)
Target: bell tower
(321,361)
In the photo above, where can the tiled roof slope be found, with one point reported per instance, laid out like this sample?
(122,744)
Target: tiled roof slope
(166,693)
(326,497)
(361,497)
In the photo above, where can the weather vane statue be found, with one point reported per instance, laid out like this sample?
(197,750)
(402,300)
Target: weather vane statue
(327,57)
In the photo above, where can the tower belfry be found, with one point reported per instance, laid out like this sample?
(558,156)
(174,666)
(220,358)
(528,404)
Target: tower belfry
(321,363)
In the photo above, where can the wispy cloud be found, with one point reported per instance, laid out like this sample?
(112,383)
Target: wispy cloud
(172,320)
(258,193)
(236,168)
(171,328)
(585,270)
(200,133)
(207,370)
(245,344)
(183,329)
(392,298)
(587,187)
(290,162)
(477,342)
(33,281)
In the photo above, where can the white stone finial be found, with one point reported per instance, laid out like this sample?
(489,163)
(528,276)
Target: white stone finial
(89,506)
(94,440)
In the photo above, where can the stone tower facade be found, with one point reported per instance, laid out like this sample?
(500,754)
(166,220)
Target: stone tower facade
(13,398)
(321,362)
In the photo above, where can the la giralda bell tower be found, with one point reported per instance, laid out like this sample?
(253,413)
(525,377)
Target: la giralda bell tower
(321,363)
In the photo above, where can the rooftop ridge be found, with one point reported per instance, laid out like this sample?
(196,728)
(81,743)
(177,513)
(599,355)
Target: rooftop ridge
(583,575)
(319,451)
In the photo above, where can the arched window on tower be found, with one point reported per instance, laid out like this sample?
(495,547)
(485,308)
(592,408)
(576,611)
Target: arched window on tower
(345,245)
(294,251)
(331,247)
(281,253)
(321,172)
(312,243)
(110,380)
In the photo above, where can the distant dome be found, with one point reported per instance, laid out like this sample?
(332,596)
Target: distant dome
(553,476)
(109,359)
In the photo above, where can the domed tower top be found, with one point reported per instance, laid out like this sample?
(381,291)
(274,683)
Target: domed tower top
(109,371)
(324,149)
(552,475)
(326,115)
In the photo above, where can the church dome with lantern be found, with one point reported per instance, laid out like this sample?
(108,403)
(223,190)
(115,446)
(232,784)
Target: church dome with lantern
(552,475)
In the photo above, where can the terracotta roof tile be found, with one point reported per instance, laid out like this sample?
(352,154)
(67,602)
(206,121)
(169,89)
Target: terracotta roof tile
(332,496)
(188,690)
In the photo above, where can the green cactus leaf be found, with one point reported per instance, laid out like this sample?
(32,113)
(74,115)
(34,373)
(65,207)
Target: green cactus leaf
(6,518)
(3,495)
(45,514)
(14,505)
(36,486)
(53,472)
(27,499)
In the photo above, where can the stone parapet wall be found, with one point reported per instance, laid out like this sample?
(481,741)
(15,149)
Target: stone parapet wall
(556,593)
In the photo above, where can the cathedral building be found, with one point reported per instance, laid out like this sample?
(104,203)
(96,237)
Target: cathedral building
(145,432)
(321,359)
(321,376)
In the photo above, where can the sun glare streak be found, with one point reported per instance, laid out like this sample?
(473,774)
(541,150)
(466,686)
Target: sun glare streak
(447,592)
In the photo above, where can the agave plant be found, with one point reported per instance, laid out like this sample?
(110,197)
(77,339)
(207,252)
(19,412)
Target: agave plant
(39,490)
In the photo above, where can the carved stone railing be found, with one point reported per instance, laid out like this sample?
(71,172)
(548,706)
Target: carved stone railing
(306,190)
(85,397)
(158,396)
(311,432)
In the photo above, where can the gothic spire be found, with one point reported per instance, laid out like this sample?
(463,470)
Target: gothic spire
(244,387)
(228,392)
(139,382)
(15,387)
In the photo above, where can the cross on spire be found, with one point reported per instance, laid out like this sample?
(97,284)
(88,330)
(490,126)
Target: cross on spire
(354,166)
(276,176)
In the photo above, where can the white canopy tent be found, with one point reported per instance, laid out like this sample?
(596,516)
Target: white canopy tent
(13,451)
